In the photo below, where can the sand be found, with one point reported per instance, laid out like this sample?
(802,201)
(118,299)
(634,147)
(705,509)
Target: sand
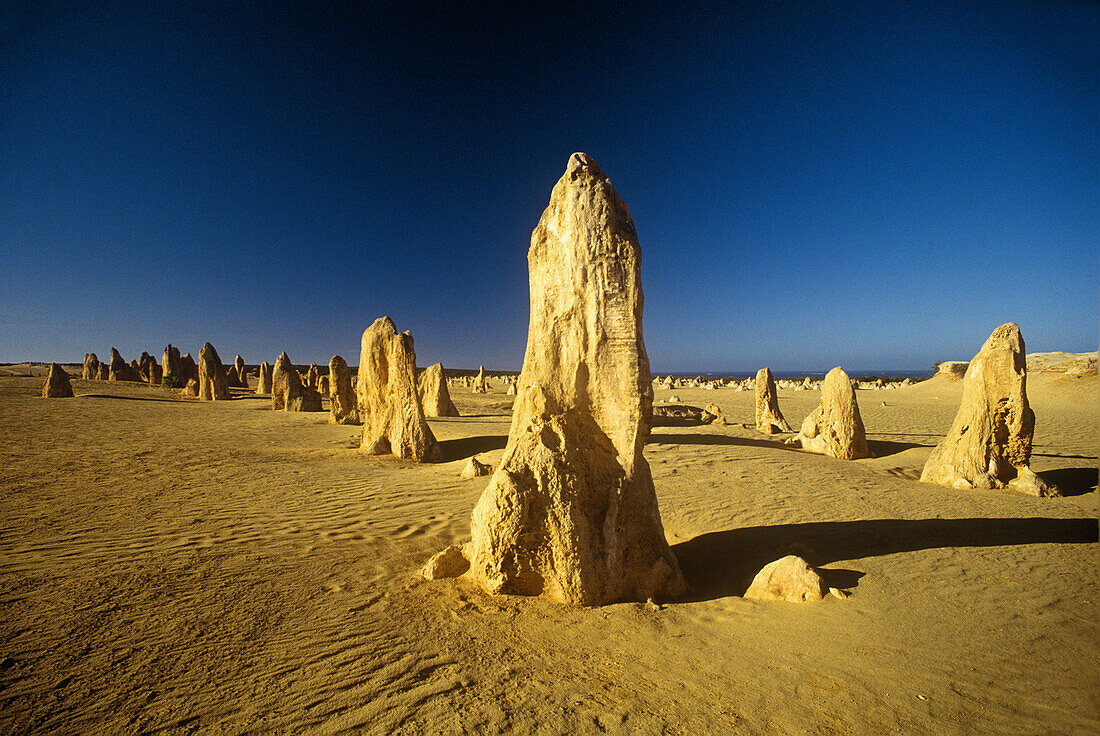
(173,566)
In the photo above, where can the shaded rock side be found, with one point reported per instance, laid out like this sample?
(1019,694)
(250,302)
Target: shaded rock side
(387,397)
(481,386)
(343,408)
(235,376)
(263,382)
(172,364)
(189,369)
(58,385)
(769,419)
(989,443)
(434,396)
(288,393)
(120,369)
(90,371)
(213,385)
(571,513)
(789,579)
(835,427)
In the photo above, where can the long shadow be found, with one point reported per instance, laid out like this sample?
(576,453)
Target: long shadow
(1068,457)
(1072,481)
(129,398)
(721,564)
(714,439)
(469,446)
(882,448)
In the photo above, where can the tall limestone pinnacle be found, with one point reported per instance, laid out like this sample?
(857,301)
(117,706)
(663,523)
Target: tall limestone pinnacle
(571,512)
(989,443)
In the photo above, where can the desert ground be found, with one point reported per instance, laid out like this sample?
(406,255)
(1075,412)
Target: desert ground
(171,566)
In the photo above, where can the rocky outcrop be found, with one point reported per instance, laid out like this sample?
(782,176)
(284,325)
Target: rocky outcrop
(769,419)
(790,579)
(571,513)
(475,469)
(120,369)
(58,385)
(235,377)
(149,370)
(173,366)
(989,443)
(312,377)
(286,385)
(953,370)
(387,397)
(90,371)
(342,402)
(212,379)
(481,386)
(835,428)
(434,396)
(264,380)
(104,372)
(189,370)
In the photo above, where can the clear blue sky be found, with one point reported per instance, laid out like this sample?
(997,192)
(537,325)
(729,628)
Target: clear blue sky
(873,184)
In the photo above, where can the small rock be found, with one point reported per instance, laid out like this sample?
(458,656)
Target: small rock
(789,579)
(474,469)
(450,563)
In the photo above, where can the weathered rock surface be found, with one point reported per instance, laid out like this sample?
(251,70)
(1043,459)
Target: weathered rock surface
(104,372)
(835,427)
(191,390)
(189,370)
(475,469)
(173,366)
(264,380)
(149,370)
(212,379)
(716,415)
(434,396)
(288,393)
(683,415)
(481,386)
(387,397)
(313,376)
(120,369)
(235,377)
(90,372)
(571,513)
(989,443)
(58,385)
(952,369)
(769,419)
(789,579)
(450,563)
(342,402)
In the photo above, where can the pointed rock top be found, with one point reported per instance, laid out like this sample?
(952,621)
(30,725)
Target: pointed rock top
(581,163)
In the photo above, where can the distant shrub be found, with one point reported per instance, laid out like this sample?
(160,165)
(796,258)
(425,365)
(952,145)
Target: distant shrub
(171,381)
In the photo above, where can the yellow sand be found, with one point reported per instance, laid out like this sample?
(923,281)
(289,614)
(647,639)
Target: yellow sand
(171,566)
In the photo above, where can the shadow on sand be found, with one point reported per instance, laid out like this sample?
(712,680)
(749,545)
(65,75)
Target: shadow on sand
(131,398)
(469,446)
(1072,481)
(714,439)
(721,564)
(884,448)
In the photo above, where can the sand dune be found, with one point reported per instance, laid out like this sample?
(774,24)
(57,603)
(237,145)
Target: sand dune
(169,566)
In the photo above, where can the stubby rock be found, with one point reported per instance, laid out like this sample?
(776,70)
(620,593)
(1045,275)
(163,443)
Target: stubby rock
(151,373)
(989,443)
(387,397)
(58,385)
(341,395)
(288,393)
(835,428)
(571,513)
(104,372)
(481,386)
(450,563)
(212,379)
(716,416)
(434,396)
(322,384)
(120,369)
(173,366)
(790,579)
(475,469)
(312,376)
(191,390)
(263,382)
(769,419)
(90,371)
(684,415)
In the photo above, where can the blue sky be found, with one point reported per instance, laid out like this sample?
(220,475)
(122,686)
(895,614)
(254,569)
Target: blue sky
(876,185)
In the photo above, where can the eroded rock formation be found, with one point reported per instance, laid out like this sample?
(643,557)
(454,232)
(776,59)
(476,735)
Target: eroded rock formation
(434,396)
(769,419)
(571,512)
(120,369)
(989,443)
(789,579)
(387,397)
(173,365)
(835,428)
(481,386)
(90,371)
(213,385)
(263,382)
(342,402)
(58,385)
